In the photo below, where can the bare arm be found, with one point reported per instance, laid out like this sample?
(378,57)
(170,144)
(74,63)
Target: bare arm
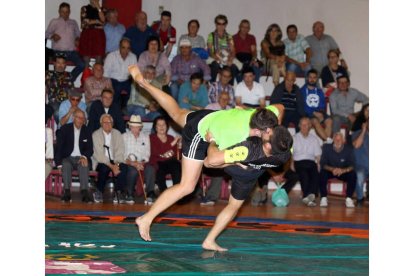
(215,157)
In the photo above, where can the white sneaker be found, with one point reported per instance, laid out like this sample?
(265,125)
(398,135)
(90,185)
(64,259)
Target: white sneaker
(324,202)
(349,203)
(308,199)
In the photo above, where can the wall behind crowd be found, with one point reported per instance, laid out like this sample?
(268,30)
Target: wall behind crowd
(346,21)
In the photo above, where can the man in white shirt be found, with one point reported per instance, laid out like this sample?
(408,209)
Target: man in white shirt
(116,68)
(248,92)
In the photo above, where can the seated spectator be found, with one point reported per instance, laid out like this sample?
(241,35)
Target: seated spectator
(193,93)
(92,39)
(108,157)
(288,94)
(273,53)
(360,141)
(184,65)
(166,32)
(163,159)
(249,93)
(342,102)
(113,31)
(64,33)
(332,71)
(69,106)
(139,33)
(222,104)
(116,68)
(198,43)
(211,193)
(155,57)
(58,83)
(246,50)
(221,49)
(137,153)
(222,85)
(95,84)
(315,106)
(307,155)
(337,161)
(105,106)
(298,51)
(141,101)
(74,151)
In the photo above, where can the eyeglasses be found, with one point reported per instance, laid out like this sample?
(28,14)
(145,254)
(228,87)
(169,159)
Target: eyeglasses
(75,99)
(221,23)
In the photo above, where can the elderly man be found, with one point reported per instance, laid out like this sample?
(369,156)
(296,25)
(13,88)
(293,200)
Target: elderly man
(222,103)
(113,30)
(74,151)
(342,102)
(222,85)
(108,154)
(338,161)
(184,65)
(137,153)
(105,106)
(139,33)
(320,44)
(116,68)
(64,33)
(68,107)
(95,84)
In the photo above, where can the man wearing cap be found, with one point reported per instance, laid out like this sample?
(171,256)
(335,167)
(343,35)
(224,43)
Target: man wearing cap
(137,153)
(184,65)
(69,106)
(74,150)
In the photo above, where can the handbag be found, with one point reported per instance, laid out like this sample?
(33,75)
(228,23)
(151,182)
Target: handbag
(280,198)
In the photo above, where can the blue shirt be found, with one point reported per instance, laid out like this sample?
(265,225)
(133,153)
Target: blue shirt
(314,100)
(361,153)
(342,159)
(64,109)
(139,39)
(199,98)
(113,36)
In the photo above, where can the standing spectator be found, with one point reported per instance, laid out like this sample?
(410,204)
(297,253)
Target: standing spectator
(113,31)
(360,141)
(198,43)
(184,65)
(163,159)
(222,103)
(165,31)
(246,49)
(58,84)
(315,106)
(69,106)
(307,155)
(155,57)
(105,106)
(288,94)
(116,68)
(95,84)
(298,51)
(337,161)
(193,93)
(332,71)
(137,153)
(74,151)
(64,33)
(141,101)
(320,44)
(273,53)
(250,93)
(221,48)
(108,156)
(342,102)
(222,85)
(139,34)
(92,39)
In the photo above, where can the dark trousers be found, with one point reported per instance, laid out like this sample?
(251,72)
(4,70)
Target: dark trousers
(349,178)
(119,86)
(103,173)
(171,166)
(291,116)
(307,171)
(290,176)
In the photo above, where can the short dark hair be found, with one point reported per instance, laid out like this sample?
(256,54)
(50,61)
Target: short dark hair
(291,26)
(262,119)
(248,69)
(124,39)
(341,77)
(281,140)
(64,5)
(107,90)
(166,13)
(153,38)
(159,118)
(196,76)
(193,21)
(59,55)
(222,17)
(312,71)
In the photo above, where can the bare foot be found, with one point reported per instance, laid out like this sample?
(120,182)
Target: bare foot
(207,245)
(143,228)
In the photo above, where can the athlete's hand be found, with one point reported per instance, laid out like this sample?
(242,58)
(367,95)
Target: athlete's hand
(209,136)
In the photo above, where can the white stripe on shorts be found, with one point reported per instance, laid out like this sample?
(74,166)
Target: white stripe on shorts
(193,146)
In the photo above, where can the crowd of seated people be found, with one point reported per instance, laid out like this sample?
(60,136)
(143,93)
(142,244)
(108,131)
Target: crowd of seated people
(220,72)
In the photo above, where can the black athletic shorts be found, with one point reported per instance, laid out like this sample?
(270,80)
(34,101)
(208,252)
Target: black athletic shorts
(243,180)
(194,147)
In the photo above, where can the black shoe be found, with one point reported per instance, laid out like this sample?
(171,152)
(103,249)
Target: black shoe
(360,202)
(66,196)
(86,197)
